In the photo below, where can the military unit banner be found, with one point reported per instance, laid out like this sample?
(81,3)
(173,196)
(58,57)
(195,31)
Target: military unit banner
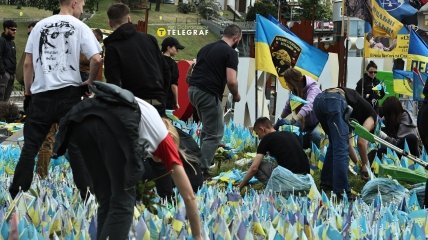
(384,25)
(277,49)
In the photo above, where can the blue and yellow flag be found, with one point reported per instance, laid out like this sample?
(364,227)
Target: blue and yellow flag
(403,82)
(398,9)
(418,53)
(417,61)
(296,101)
(419,80)
(278,49)
(383,23)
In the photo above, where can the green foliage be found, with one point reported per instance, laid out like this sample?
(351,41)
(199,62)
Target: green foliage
(185,8)
(315,10)
(147,195)
(263,8)
(208,9)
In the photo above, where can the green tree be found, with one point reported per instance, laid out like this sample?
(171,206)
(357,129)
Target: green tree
(316,10)
(263,8)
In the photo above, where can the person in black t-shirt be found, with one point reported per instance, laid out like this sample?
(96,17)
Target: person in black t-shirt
(283,146)
(170,47)
(366,116)
(216,66)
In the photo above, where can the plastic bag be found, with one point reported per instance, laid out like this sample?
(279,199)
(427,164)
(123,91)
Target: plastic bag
(420,192)
(390,190)
(284,181)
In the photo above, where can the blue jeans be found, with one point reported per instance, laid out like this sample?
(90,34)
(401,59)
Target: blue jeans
(329,109)
(313,135)
(210,114)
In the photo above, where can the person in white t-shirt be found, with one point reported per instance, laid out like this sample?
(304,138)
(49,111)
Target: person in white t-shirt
(52,57)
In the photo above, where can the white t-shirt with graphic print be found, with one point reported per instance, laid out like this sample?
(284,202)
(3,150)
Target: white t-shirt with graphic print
(56,43)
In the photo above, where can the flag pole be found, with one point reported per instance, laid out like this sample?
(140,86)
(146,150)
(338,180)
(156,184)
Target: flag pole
(345,70)
(343,60)
(257,99)
(341,47)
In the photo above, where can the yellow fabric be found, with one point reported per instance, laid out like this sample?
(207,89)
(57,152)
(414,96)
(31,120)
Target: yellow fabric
(383,23)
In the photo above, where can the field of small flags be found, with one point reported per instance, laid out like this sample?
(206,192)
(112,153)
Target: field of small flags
(53,209)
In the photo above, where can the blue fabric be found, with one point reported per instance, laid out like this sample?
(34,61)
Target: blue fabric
(329,109)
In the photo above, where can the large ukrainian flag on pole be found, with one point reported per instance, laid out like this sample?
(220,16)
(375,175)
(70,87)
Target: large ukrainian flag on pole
(277,49)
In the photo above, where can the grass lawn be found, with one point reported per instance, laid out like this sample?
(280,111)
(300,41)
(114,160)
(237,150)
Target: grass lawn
(166,17)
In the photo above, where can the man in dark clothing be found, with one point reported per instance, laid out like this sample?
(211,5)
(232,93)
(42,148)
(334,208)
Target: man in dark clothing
(170,47)
(331,107)
(283,146)
(133,59)
(216,66)
(7,59)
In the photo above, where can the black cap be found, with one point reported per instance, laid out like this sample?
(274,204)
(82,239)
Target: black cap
(170,41)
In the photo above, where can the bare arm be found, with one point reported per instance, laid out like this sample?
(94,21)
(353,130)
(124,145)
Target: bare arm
(28,73)
(94,67)
(183,184)
(352,153)
(232,83)
(174,89)
(368,124)
(252,170)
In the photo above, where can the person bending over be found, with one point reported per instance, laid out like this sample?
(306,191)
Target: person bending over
(399,126)
(331,108)
(120,130)
(306,88)
(283,146)
(190,153)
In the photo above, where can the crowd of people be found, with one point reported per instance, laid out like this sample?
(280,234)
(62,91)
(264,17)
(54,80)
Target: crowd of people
(119,134)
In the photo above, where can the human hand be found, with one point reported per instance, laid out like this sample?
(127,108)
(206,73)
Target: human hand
(279,123)
(85,88)
(382,135)
(177,106)
(296,119)
(236,97)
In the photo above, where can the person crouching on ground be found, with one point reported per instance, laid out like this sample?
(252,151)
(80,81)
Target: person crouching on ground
(283,146)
